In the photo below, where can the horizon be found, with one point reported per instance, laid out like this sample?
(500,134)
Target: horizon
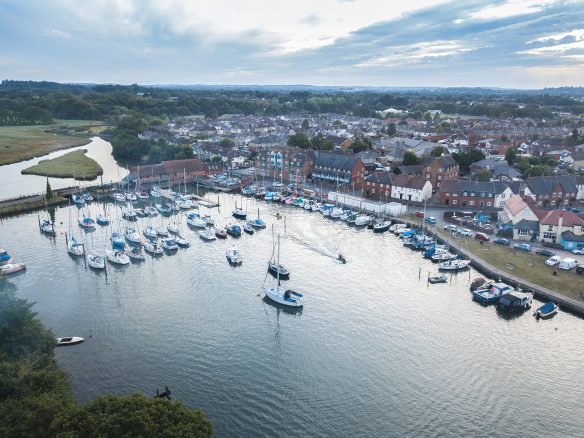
(506,44)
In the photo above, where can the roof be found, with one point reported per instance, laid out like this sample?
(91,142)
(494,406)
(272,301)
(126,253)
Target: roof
(527,225)
(417,183)
(569,219)
(178,166)
(380,178)
(445,161)
(515,204)
(541,185)
(449,186)
(336,161)
(571,237)
(493,187)
(411,182)
(414,169)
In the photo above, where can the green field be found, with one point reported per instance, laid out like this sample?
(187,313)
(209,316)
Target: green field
(527,266)
(19,143)
(73,164)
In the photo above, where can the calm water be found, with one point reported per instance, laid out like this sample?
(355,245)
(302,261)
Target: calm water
(13,183)
(375,352)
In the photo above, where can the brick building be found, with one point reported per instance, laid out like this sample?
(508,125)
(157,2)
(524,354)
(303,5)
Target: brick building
(440,169)
(338,169)
(473,194)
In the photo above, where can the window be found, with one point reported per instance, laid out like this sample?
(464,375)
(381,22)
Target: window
(550,228)
(471,203)
(454,202)
(489,204)
(523,232)
(482,204)
(551,236)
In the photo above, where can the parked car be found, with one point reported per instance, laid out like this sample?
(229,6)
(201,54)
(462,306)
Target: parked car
(522,247)
(482,236)
(502,241)
(553,261)
(465,232)
(578,251)
(575,210)
(545,252)
(568,263)
(580,269)
(451,227)
(431,220)
(419,214)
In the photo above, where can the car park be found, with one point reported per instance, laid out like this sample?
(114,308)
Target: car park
(430,220)
(502,241)
(522,247)
(545,252)
(482,236)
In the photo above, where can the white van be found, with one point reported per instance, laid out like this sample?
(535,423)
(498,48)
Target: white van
(568,264)
(553,261)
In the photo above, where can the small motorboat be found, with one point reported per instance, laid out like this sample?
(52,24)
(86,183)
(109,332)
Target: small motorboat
(221,234)
(248,228)
(443,257)
(182,242)
(257,223)
(151,211)
(140,212)
(152,248)
(142,194)
(207,235)
(546,311)
(117,257)
(278,270)
(454,265)
(172,228)
(150,232)
(233,230)
(289,297)
(136,254)
(61,342)
(164,209)
(95,261)
(12,268)
(169,244)
(102,220)
(239,213)
(438,278)
(87,223)
(131,197)
(381,226)
(47,227)
(130,215)
(491,292)
(516,301)
(233,256)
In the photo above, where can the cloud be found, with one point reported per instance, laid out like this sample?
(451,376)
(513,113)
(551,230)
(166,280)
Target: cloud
(311,19)
(56,33)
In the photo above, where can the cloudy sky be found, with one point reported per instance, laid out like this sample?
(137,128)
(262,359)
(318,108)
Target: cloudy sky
(501,43)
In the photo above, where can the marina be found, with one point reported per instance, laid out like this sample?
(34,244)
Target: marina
(181,317)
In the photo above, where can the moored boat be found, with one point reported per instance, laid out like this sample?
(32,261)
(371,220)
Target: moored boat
(169,244)
(381,226)
(117,257)
(233,256)
(516,301)
(75,248)
(153,248)
(491,292)
(248,228)
(278,270)
(135,254)
(207,234)
(454,265)
(102,220)
(95,261)
(47,227)
(546,311)
(11,268)
(182,242)
(221,233)
(233,230)
(239,213)
(86,222)
(73,340)
(438,278)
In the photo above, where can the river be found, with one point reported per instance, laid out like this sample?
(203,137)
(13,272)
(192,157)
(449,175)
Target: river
(375,352)
(13,183)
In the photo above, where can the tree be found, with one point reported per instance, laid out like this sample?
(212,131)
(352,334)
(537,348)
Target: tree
(305,125)
(410,159)
(511,156)
(227,143)
(49,191)
(483,176)
(396,170)
(391,130)
(319,142)
(133,415)
(300,140)
(185,152)
(155,154)
(361,144)
(216,159)
(437,151)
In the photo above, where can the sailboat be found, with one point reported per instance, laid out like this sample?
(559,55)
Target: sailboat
(172,227)
(117,257)
(289,297)
(132,235)
(258,223)
(276,268)
(73,247)
(239,213)
(152,248)
(95,261)
(47,227)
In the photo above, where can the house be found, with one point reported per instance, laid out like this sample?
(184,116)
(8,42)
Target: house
(440,169)
(578,163)
(553,191)
(473,194)
(174,172)
(519,214)
(378,185)
(411,188)
(285,163)
(338,169)
(553,224)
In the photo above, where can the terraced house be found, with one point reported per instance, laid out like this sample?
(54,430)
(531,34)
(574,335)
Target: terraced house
(338,169)
(473,194)
(441,169)
(285,163)
(552,191)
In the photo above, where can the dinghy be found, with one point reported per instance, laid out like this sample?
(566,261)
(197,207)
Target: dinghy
(12,268)
(546,311)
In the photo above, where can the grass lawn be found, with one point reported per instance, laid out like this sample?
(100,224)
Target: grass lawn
(74,164)
(524,265)
(19,143)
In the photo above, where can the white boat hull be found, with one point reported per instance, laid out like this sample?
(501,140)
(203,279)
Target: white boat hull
(274,294)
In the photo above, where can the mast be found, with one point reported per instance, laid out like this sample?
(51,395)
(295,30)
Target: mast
(278,265)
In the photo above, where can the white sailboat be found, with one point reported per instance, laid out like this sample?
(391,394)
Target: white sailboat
(95,261)
(117,257)
(289,297)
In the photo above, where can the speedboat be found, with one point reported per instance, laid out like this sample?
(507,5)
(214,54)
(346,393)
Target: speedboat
(182,242)
(95,261)
(221,234)
(454,265)
(47,227)
(257,223)
(132,235)
(248,228)
(238,213)
(438,278)
(169,244)
(234,230)
(207,234)
(102,220)
(86,222)
(150,232)
(278,270)
(381,226)
(117,257)
(233,256)
(119,197)
(152,248)
(136,254)
(491,292)
(546,311)
(75,248)
(194,220)
(69,341)
(12,268)
(172,228)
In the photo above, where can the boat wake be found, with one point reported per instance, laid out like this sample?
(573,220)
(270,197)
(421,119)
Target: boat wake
(324,251)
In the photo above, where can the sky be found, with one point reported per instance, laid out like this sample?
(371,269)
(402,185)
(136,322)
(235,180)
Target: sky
(390,43)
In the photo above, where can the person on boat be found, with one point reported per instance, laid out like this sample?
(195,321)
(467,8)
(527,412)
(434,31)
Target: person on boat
(287,295)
